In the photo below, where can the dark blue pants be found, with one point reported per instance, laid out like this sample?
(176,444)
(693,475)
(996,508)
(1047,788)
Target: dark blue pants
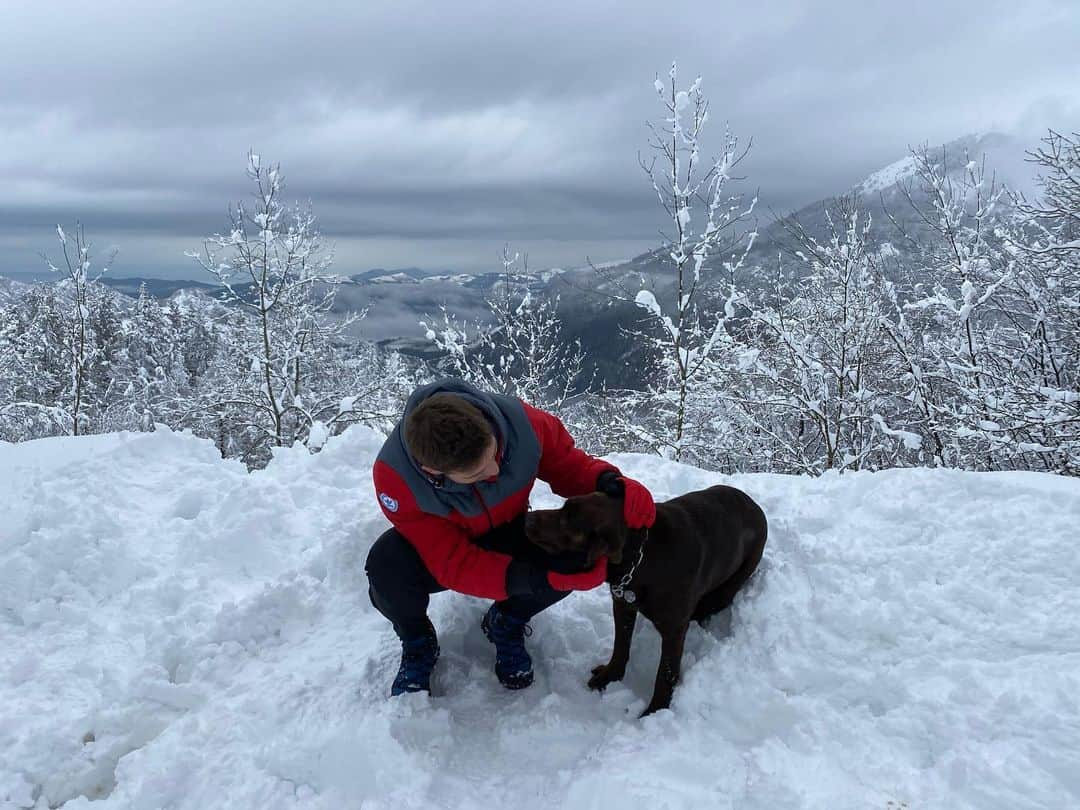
(400,584)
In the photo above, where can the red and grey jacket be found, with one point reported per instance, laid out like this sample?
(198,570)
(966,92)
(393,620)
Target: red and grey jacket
(440,517)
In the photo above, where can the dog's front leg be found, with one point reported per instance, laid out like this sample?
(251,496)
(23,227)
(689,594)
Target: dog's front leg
(613,670)
(667,675)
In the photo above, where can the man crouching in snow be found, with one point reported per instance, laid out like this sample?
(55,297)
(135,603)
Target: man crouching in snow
(454,479)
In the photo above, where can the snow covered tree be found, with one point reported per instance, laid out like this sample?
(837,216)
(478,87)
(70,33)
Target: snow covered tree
(521,352)
(226,374)
(1040,416)
(812,377)
(80,345)
(147,376)
(959,250)
(273,266)
(378,383)
(682,333)
(9,356)
(41,341)
(908,364)
(32,372)
(196,321)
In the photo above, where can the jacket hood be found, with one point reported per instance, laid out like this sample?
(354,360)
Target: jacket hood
(483,401)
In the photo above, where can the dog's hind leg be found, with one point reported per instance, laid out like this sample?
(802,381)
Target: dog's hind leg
(721,597)
(672,638)
(613,670)
(717,624)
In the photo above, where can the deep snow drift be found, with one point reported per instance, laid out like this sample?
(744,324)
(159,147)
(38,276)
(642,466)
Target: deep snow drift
(179,633)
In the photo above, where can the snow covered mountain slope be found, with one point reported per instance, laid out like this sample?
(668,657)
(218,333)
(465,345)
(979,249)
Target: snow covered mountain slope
(180,633)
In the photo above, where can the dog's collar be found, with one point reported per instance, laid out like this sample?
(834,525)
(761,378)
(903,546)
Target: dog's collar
(621,590)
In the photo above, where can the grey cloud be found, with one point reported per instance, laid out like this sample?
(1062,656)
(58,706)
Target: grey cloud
(421,124)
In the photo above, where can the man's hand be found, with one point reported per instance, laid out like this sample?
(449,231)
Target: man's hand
(585,581)
(639,510)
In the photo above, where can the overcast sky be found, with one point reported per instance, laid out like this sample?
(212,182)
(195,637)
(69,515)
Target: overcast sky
(427,134)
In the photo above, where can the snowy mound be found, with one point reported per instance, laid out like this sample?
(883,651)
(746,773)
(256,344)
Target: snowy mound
(180,633)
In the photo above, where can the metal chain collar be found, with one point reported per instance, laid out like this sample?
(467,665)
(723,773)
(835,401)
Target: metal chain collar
(621,591)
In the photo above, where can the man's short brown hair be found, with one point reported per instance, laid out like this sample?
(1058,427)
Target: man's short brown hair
(447,433)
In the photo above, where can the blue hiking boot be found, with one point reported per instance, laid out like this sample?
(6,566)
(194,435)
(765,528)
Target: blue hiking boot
(418,657)
(513,666)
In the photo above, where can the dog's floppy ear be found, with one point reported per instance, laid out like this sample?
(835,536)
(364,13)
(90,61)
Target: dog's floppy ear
(610,537)
(602,518)
(604,541)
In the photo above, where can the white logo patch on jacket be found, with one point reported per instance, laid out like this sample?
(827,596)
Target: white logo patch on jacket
(390,504)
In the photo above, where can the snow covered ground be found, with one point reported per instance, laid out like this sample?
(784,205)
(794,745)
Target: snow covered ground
(179,633)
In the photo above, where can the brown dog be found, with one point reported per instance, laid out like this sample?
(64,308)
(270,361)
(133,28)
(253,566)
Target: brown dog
(690,564)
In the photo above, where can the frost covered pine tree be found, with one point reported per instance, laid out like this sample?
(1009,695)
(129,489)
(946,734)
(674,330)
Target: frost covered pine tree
(9,360)
(36,365)
(273,266)
(226,373)
(196,321)
(148,369)
(521,351)
(683,335)
(31,375)
(110,330)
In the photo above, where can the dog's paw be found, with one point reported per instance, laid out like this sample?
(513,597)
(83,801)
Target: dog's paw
(602,676)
